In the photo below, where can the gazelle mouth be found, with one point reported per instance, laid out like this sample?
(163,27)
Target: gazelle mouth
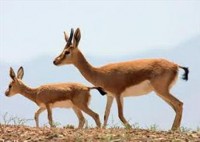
(55,62)
(7,94)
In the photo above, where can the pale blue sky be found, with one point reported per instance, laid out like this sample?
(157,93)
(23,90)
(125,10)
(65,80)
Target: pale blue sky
(116,28)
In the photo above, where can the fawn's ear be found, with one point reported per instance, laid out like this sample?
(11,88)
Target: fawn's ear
(77,37)
(20,73)
(12,73)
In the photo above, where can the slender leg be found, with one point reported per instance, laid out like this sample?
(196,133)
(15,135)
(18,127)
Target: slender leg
(80,117)
(177,106)
(94,115)
(107,110)
(49,111)
(37,113)
(120,111)
(162,85)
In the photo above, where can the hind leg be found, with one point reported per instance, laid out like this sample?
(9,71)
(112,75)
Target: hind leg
(177,106)
(161,87)
(107,110)
(49,113)
(80,117)
(95,116)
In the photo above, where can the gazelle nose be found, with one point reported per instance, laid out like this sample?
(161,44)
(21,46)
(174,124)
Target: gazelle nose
(54,62)
(6,93)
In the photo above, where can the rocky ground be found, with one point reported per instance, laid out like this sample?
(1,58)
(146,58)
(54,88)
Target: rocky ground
(18,133)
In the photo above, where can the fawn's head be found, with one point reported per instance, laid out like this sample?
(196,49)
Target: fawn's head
(14,86)
(69,54)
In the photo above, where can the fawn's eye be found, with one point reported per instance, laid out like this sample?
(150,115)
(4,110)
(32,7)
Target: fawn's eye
(10,86)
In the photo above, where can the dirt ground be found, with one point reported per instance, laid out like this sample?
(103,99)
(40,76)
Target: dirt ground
(18,133)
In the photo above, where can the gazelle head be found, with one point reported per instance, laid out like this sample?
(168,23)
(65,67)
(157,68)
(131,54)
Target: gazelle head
(14,86)
(68,55)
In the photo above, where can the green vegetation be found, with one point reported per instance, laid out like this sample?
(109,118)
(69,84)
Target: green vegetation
(185,129)
(198,129)
(56,124)
(68,126)
(136,126)
(153,127)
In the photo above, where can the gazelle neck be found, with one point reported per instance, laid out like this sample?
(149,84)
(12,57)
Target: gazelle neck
(86,69)
(28,92)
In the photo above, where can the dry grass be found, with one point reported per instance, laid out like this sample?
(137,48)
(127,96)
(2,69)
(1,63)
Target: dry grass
(14,129)
(26,133)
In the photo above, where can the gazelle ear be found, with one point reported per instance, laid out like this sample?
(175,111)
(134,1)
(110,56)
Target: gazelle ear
(20,73)
(77,37)
(69,39)
(12,73)
(66,36)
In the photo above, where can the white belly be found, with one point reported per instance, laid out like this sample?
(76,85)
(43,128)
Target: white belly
(137,90)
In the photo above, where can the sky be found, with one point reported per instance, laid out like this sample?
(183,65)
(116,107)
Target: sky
(33,30)
(29,29)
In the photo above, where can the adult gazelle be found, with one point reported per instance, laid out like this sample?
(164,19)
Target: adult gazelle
(131,78)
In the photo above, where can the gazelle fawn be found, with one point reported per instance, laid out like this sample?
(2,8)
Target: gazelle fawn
(131,78)
(63,95)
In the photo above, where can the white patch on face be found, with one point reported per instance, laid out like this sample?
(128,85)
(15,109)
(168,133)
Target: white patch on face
(138,90)
(68,55)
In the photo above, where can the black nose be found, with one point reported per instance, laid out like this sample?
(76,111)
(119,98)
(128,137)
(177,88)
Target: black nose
(54,62)
(6,93)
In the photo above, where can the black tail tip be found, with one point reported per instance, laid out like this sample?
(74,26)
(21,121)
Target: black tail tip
(185,75)
(101,91)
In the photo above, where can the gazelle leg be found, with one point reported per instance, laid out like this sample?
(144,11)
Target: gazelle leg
(161,86)
(49,113)
(177,106)
(37,113)
(107,110)
(80,117)
(94,115)
(120,110)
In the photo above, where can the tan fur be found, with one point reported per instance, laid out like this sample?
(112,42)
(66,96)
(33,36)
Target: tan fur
(68,95)
(117,78)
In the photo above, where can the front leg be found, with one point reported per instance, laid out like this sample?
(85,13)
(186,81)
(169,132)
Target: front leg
(49,112)
(37,113)
(107,110)
(119,100)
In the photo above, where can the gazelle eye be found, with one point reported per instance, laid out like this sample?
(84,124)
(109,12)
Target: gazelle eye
(9,86)
(67,52)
